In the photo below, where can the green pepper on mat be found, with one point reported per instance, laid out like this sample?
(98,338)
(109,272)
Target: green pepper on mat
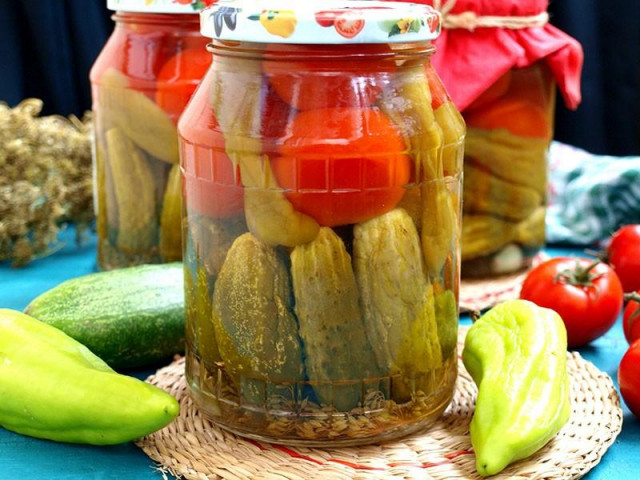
(516,354)
(53,387)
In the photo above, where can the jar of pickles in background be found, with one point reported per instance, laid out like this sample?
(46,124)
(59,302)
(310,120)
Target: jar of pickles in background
(322,163)
(141,82)
(501,62)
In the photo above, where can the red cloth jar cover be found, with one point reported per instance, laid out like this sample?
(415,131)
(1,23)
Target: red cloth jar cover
(471,56)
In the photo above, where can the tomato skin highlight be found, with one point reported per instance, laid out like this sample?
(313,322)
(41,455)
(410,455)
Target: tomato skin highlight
(623,253)
(629,378)
(587,311)
(343,165)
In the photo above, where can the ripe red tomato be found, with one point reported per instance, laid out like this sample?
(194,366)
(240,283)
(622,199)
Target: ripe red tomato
(631,318)
(587,296)
(136,53)
(518,116)
(349,24)
(179,78)
(212,183)
(623,255)
(629,378)
(341,77)
(342,165)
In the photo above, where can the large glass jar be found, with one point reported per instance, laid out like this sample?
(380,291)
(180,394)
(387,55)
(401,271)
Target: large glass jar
(141,82)
(322,165)
(510,128)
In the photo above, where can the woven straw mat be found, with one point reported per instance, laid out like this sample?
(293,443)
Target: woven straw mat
(193,448)
(483,293)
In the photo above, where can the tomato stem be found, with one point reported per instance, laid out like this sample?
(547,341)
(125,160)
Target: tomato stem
(579,276)
(633,297)
(601,254)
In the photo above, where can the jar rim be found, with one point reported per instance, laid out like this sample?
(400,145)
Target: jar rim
(158,6)
(302,52)
(324,22)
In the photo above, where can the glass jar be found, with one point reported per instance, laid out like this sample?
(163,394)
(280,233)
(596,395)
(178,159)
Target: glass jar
(518,59)
(322,163)
(510,128)
(141,82)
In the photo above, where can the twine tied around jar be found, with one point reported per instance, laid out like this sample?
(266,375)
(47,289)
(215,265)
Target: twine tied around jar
(470,20)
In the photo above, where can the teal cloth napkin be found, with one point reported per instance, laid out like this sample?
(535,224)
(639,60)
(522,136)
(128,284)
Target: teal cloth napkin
(590,196)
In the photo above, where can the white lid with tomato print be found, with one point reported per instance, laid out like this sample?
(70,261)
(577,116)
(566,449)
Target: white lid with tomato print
(321,22)
(159,6)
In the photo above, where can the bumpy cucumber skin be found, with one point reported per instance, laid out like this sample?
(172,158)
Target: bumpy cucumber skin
(53,387)
(129,317)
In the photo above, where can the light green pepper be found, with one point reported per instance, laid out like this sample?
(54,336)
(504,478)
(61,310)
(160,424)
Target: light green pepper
(516,354)
(53,387)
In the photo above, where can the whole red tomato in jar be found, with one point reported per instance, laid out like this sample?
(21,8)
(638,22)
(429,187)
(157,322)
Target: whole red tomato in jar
(623,254)
(629,378)
(586,294)
(338,175)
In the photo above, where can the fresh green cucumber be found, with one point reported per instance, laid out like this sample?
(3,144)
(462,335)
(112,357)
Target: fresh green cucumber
(129,317)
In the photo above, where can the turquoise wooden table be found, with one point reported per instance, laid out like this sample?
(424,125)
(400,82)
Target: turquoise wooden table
(31,459)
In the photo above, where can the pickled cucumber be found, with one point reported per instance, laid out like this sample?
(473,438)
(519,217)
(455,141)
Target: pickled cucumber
(254,324)
(211,239)
(447,318)
(171,218)
(439,226)
(417,121)
(485,234)
(509,157)
(488,194)
(137,116)
(237,106)
(135,194)
(397,302)
(531,231)
(338,354)
(453,133)
(105,200)
(199,319)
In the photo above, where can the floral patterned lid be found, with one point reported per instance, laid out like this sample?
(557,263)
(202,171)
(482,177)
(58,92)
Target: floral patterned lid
(320,22)
(159,6)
